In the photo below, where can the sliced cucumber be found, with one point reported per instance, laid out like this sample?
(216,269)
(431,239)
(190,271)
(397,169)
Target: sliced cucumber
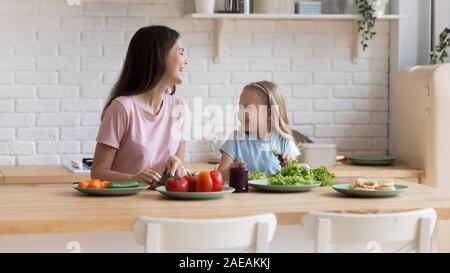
(123,184)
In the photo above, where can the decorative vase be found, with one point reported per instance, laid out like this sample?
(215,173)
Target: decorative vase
(380,7)
(350,7)
(204,6)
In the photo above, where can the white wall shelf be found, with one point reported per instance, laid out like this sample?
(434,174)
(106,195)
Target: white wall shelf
(285,16)
(220,17)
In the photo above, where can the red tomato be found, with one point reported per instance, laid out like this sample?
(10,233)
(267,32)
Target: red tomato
(192,181)
(217,180)
(177,184)
(204,183)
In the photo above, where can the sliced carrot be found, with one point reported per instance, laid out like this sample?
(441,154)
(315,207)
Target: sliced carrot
(84,184)
(93,183)
(97,185)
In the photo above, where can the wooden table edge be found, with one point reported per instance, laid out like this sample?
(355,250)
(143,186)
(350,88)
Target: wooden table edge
(112,224)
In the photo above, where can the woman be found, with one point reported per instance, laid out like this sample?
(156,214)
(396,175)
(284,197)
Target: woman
(136,139)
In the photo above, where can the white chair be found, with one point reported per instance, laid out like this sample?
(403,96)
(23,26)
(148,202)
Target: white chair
(250,233)
(394,232)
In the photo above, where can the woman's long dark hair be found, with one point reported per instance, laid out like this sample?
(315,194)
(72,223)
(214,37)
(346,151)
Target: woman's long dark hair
(145,62)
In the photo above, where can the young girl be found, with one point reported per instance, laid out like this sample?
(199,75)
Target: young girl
(264,142)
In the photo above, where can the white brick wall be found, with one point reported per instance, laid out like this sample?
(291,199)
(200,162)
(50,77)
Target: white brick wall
(59,62)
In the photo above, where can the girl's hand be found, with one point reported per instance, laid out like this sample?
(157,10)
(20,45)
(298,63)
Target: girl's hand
(174,166)
(148,176)
(284,159)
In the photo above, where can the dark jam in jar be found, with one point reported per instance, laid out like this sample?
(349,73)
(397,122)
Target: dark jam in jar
(239,176)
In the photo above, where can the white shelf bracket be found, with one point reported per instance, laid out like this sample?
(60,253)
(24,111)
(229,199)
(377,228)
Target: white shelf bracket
(218,31)
(356,45)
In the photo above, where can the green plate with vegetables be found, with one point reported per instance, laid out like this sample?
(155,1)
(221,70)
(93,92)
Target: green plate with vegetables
(295,177)
(344,189)
(195,195)
(263,185)
(114,188)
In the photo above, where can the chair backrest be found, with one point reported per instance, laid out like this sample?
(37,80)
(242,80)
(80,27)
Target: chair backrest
(332,231)
(250,233)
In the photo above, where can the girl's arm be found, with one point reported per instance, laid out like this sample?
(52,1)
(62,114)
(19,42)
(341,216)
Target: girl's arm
(101,167)
(224,166)
(289,149)
(285,159)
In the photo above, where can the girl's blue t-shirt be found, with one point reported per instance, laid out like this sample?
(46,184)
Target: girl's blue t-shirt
(257,153)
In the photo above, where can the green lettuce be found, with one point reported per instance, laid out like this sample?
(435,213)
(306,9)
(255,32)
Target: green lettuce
(296,174)
(257,175)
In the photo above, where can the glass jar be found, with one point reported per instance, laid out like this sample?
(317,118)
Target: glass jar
(239,176)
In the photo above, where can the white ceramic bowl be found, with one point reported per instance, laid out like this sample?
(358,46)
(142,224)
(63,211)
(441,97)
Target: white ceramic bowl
(318,154)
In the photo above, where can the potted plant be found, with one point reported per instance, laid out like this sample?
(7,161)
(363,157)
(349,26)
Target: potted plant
(350,7)
(440,51)
(380,7)
(369,11)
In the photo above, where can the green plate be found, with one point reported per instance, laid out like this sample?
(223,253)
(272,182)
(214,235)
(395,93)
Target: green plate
(195,195)
(262,185)
(343,188)
(112,192)
(371,160)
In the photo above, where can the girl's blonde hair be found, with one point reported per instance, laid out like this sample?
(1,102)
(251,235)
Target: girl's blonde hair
(277,107)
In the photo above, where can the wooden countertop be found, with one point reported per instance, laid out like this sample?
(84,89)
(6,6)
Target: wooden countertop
(45,208)
(58,174)
(394,171)
(39,174)
(343,170)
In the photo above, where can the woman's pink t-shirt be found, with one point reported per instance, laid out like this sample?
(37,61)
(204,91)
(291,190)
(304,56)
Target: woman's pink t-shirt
(142,139)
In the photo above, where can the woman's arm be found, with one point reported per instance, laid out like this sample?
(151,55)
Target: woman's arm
(180,151)
(175,162)
(224,166)
(101,167)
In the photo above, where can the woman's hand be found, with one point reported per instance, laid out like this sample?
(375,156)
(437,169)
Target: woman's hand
(284,159)
(174,166)
(148,176)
